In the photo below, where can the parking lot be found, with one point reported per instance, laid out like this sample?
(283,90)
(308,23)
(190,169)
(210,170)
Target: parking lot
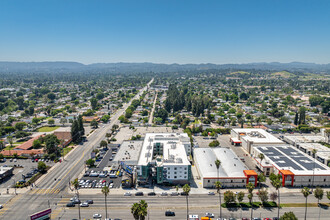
(104,173)
(21,167)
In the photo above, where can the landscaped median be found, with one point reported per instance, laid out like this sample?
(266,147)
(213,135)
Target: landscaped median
(271,205)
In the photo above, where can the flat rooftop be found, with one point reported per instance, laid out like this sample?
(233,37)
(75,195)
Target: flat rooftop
(322,150)
(231,165)
(129,152)
(256,135)
(286,157)
(305,139)
(174,152)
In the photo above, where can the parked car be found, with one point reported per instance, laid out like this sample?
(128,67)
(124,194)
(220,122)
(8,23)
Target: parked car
(151,194)
(139,194)
(164,194)
(127,194)
(169,213)
(96,215)
(211,193)
(209,215)
(174,194)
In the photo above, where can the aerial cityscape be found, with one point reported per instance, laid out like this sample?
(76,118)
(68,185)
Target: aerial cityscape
(190,110)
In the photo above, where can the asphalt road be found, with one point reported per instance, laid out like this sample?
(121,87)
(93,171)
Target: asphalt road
(119,207)
(52,187)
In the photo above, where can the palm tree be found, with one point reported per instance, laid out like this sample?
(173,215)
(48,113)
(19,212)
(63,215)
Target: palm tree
(261,157)
(314,151)
(105,190)
(140,210)
(305,191)
(143,211)
(250,187)
(75,185)
(10,140)
(135,210)
(277,185)
(218,187)
(186,190)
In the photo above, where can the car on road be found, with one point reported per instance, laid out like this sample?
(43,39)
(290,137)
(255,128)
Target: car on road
(151,194)
(209,215)
(76,201)
(256,219)
(164,194)
(84,204)
(127,194)
(174,194)
(96,215)
(70,204)
(184,194)
(139,194)
(169,213)
(90,201)
(1,206)
(211,193)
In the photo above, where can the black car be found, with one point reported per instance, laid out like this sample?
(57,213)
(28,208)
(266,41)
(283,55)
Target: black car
(183,194)
(90,201)
(70,204)
(169,213)
(151,194)
(139,194)
(77,201)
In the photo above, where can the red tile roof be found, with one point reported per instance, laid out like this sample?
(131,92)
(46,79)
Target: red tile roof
(28,144)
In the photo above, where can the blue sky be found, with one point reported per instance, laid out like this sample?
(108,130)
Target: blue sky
(168,31)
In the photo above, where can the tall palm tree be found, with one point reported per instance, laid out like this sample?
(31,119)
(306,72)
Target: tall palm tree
(75,185)
(277,185)
(105,190)
(305,191)
(218,187)
(143,211)
(10,140)
(135,210)
(218,183)
(314,151)
(186,190)
(250,187)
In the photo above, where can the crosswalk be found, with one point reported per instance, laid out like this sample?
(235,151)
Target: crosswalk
(9,204)
(43,191)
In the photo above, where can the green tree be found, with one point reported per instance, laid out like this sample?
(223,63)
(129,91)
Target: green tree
(94,124)
(261,178)
(229,197)
(81,126)
(139,210)
(75,134)
(90,162)
(302,115)
(186,190)
(318,193)
(288,216)
(51,96)
(105,191)
(250,187)
(51,121)
(51,144)
(276,183)
(36,144)
(306,192)
(42,167)
(218,187)
(240,196)
(20,125)
(63,121)
(103,143)
(214,143)
(296,119)
(93,102)
(75,185)
(263,195)
(105,118)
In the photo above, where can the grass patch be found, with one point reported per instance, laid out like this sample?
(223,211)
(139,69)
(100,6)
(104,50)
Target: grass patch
(66,150)
(47,129)
(9,147)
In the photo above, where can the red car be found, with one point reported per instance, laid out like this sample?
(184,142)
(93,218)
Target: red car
(36,160)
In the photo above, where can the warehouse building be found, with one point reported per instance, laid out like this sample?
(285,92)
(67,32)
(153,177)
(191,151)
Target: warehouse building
(296,168)
(294,140)
(164,159)
(231,173)
(251,136)
(322,152)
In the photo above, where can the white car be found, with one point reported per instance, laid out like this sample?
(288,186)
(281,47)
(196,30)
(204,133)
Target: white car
(96,215)
(211,194)
(84,204)
(210,215)
(1,206)
(127,194)
(164,194)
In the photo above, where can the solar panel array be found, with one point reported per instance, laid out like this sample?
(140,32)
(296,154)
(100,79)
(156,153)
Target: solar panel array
(286,156)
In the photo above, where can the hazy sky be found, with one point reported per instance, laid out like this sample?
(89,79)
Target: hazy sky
(167,31)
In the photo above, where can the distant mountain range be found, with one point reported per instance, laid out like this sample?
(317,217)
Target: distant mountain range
(154,67)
